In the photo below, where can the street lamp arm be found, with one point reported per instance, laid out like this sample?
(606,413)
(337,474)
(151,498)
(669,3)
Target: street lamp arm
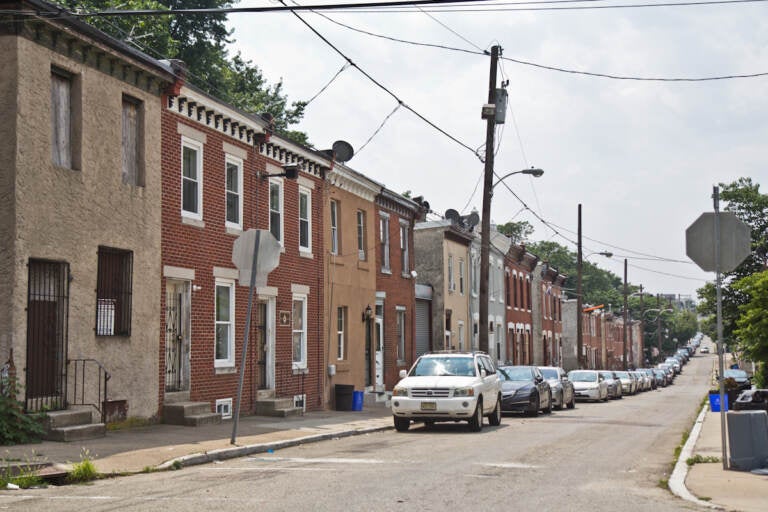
(532,171)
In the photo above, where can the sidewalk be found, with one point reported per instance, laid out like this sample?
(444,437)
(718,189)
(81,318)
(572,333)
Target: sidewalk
(158,446)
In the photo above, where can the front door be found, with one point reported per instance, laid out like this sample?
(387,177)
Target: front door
(378,336)
(177,342)
(265,343)
(47,327)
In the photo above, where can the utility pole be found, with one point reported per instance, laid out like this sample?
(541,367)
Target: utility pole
(624,329)
(642,328)
(485,235)
(658,322)
(579,303)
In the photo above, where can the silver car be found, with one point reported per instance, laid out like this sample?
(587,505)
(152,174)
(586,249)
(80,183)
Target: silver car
(614,384)
(589,385)
(562,388)
(628,383)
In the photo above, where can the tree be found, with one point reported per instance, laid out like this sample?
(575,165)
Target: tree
(200,41)
(518,232)
(752,324)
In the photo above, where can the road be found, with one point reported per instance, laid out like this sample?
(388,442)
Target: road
(600,456)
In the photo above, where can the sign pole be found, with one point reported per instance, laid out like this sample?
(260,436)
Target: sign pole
(720,365)
(252,286)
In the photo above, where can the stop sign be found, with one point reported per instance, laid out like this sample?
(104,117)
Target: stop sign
(735,241)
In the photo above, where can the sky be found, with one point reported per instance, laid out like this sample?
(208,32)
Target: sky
(641,157)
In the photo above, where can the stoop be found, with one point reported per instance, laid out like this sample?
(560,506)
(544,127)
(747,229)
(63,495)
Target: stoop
(72,425)
(277,407)
(190,414)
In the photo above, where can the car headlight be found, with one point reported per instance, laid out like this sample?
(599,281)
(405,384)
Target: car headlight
(400,392)
(464,392)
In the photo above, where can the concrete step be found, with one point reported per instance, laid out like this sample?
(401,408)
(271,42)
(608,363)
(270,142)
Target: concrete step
(272,404)
(175,413)
(67,418)
(281,413)
(196,420)
(77,432)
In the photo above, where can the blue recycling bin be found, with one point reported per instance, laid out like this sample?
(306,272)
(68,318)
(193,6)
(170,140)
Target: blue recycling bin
(357,400)
(714,402)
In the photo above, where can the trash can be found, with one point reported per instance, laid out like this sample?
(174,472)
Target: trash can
(343,396)
(357,401)
(714,402)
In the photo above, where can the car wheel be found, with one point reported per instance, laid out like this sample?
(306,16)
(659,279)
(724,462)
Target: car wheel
(476,422)
(402,424)
(572,403)
(620,394)
(429,424)
(548,409)
(560,402)
(533,408)
(606,396)
(495,418)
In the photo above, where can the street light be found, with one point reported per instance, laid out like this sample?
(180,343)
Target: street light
(579,305)
(485,246)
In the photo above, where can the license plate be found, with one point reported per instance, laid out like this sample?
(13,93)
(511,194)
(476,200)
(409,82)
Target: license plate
(428,406)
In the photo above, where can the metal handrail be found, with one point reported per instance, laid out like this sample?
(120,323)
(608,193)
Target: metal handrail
(79,379)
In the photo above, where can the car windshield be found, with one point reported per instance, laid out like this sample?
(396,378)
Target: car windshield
(580,376)
(607,375)
(517,373)
(549,373)
(736,374)
(622,375)
(444,366)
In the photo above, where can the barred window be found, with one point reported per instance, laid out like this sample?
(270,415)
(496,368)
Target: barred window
(113,292)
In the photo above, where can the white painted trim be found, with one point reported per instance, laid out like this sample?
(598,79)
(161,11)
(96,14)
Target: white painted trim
(305,182)
(266,291)
(300,289)
(188,131)
(226,273)
(172,272)
(234,150)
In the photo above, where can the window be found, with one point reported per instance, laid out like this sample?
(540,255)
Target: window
(384,226)
(61,118)
(113,292)
(461,335)
(191,179)
(224,407)
(234,185)
(401,333)
(506,289)
(276,209)
(461,276)
(133,169)
(405,261)
(305,220)
(361,235)
(299,340)
(334,227)
(473,277)
(341,322)
(225,323)
(451,282)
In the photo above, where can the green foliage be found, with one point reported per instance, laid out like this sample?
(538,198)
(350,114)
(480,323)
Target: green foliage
(517,231)
(752,323)
(25,479)
(760,377)
(83,471)
(16,427)
(699,459)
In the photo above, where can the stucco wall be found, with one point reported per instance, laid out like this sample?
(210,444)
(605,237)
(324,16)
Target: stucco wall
(8,91)
(456,301)
(65,214)
(428,257)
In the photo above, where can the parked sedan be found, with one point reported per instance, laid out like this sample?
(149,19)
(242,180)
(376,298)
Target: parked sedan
(523,388)
(589,385)
(661,377)
(562,388)
(614,384)
(740,376)
(628,383)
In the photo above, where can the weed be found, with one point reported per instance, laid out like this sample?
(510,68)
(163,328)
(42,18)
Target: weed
(148,469)
(132,422)
(698,459)
(83,471)
(664,483)
(176,465)
(16,427)
(24,478)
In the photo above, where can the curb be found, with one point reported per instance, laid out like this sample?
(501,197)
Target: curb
(241,451)
(679,474)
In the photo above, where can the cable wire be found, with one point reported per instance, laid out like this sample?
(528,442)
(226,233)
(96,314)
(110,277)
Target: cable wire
(397,107)
(340,71)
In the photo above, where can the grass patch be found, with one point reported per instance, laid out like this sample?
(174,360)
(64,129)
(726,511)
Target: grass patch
(700,459)
(679,447)
(128,423)
(83,471)
(26,477)
(149,469)
(176,465)
(664,483)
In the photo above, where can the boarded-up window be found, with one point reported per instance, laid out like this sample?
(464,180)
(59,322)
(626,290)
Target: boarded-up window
(61,118)
(113,292)
(133,172)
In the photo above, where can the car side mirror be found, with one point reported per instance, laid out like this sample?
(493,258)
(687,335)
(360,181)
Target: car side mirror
(403,374)
(483,373)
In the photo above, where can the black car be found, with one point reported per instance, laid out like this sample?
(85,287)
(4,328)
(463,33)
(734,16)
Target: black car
(523,389)
(741,378)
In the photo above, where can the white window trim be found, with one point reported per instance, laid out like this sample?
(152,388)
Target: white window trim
(229,159)
(386,263)
(451,282)
(230,361)
(340,334)
(279,183)
(300,365)
(400,312)
(334,226)
(360,226)
(461,276)
(405,250)
(308,193)
(198,147)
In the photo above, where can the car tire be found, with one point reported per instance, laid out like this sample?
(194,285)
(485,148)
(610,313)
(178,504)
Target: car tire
(476,421)
(548,409)
(533,409)
(429,424)
(495,418)
(621,395)
(606,396)
(572,403)
(561,402)
(402,424)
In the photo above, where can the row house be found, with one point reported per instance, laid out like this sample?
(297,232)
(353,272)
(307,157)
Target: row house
(442,250)
(80,236)
(602,339)
(518,272)
(222,174)
(547,317)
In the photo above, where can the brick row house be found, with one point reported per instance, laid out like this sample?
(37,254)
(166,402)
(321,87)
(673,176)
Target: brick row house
(520,265)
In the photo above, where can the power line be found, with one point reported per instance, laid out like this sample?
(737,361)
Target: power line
(339,72)
(448,8)
(379,128)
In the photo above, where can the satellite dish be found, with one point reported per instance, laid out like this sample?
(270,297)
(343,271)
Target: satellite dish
(342,151)
(453,216)
(472,220)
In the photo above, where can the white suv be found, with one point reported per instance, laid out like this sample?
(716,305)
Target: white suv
(448,386)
